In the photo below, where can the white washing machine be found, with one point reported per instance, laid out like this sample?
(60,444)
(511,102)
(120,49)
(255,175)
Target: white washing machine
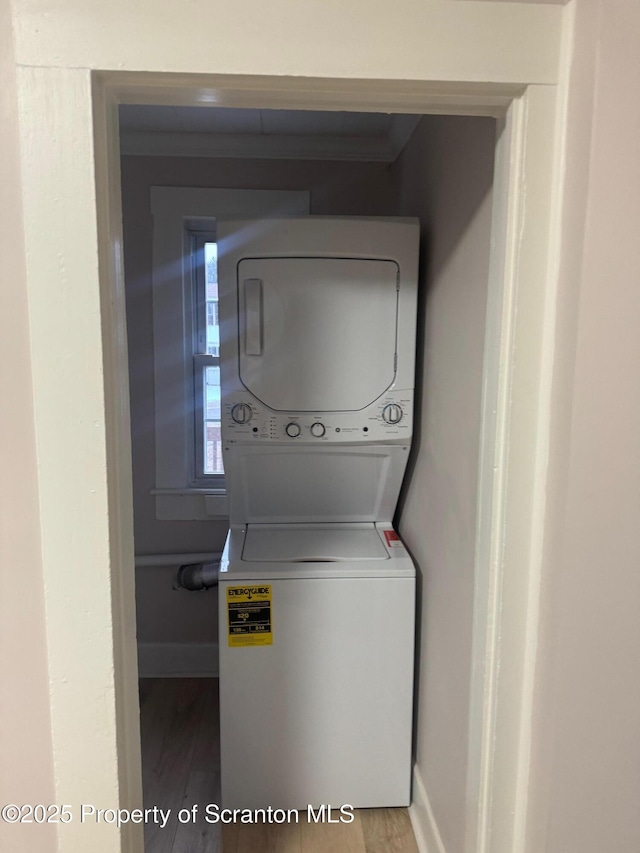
(317,592)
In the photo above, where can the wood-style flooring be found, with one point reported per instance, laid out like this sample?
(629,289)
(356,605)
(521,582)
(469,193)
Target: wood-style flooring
(180,769)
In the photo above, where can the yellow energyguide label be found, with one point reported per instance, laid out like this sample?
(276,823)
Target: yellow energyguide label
(249,615)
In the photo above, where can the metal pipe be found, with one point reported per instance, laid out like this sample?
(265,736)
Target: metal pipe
(198,576)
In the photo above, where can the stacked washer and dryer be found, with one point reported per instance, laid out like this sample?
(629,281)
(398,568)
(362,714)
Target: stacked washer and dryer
(316,590)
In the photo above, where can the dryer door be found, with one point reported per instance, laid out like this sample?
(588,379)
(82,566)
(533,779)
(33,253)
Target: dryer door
(317,334)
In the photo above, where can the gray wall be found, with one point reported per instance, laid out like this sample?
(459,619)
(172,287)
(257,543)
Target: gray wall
(445,177)
(338,188)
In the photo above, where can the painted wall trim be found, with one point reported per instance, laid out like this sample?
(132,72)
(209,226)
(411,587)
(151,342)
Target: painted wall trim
(118,449)
(480,41)
(422,818)
(512,498)
(417,96)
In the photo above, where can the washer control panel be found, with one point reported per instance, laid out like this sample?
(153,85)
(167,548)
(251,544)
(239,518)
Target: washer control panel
(245,419)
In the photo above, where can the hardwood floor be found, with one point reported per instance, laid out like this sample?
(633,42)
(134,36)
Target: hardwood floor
(180,770)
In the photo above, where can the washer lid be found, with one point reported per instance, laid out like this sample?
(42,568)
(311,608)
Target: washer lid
(312,543)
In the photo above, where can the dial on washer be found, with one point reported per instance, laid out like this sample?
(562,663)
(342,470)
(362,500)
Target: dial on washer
(241,413)
(392,413)
(292,430)
(317,429)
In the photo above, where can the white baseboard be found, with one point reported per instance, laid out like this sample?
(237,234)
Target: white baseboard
(173,660)
(422,820)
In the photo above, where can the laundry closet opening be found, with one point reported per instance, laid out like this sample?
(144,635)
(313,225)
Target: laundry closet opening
(436,168)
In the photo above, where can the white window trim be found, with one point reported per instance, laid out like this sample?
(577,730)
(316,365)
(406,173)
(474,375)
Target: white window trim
(176,211)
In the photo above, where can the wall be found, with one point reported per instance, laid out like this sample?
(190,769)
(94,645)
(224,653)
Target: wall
(25,735)
(339,188)
(585,784)
(445,177)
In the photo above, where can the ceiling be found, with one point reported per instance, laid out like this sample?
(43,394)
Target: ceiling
(297,134)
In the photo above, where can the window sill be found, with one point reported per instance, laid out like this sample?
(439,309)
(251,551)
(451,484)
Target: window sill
(197,504)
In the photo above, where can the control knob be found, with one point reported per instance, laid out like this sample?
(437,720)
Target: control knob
(241,413)
(392,413)
(317,429)
(292,430)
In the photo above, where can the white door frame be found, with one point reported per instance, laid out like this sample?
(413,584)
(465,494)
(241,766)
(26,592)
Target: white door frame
(513,444)
(72,220)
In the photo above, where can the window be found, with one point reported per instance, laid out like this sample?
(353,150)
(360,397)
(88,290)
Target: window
(206,358)
(189,467)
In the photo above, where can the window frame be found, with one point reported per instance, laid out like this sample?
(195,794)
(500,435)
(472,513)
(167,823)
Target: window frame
(178,214)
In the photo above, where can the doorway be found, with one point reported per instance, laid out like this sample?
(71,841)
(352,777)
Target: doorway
(518,465)
(438,168)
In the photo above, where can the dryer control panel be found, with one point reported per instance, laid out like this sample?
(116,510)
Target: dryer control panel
(247,420)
